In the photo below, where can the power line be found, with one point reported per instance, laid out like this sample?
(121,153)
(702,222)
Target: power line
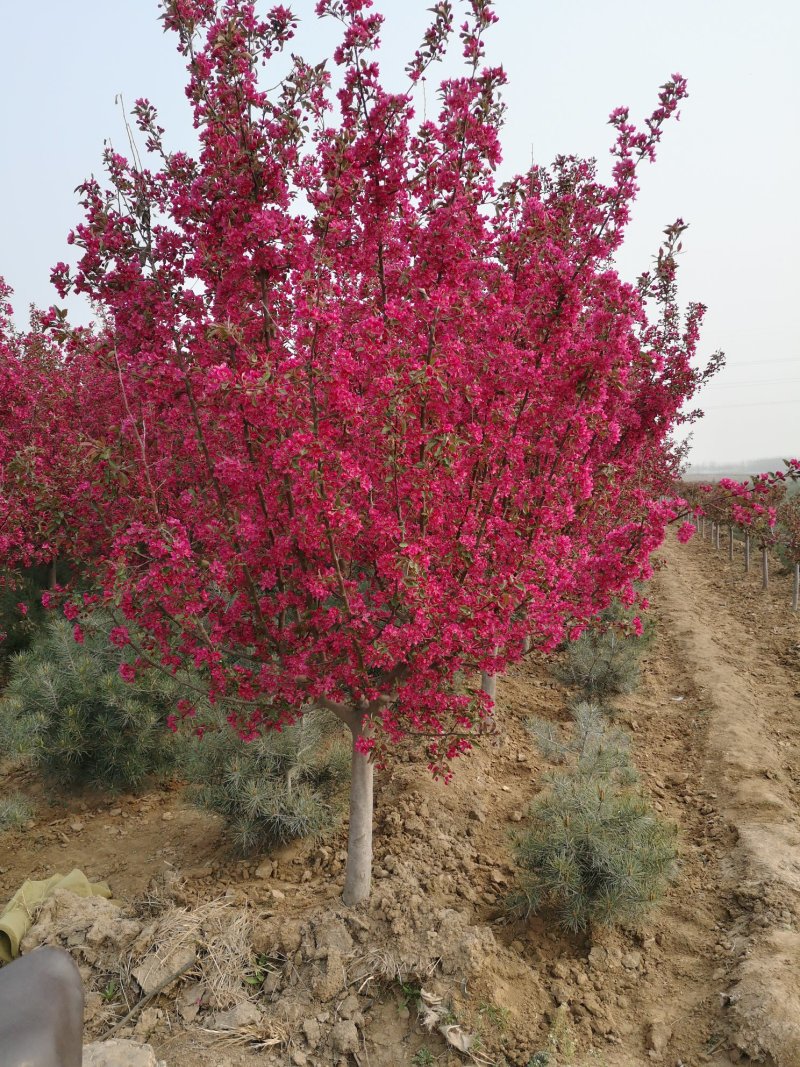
(750,404)
(748,384)
(758,362)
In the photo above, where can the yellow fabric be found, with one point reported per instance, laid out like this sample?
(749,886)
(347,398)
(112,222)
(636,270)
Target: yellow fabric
(17,916)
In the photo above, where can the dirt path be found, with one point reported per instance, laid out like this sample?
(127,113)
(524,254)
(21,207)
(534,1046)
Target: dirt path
(740,649)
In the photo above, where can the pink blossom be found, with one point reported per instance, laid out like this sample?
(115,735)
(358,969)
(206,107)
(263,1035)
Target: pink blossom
(119,636)
(686,532)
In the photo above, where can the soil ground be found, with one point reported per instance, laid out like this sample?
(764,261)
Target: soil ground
(712,978)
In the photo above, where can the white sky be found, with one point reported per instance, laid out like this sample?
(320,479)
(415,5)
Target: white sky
(730,167)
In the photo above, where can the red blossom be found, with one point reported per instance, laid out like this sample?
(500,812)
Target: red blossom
(119,636)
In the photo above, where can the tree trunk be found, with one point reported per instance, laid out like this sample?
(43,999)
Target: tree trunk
(730,543)
(526,647)
(764,568)
(358,869)
(747,551)
(489,686)
(796,589)
(358,872)
(52,574)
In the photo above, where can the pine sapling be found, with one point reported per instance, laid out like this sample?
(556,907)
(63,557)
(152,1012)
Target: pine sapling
(278,786)
(594,852)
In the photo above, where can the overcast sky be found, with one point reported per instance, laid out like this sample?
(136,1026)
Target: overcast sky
(730,167)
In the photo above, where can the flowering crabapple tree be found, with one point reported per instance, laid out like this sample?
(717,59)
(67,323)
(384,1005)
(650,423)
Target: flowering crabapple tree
(750,505)
(380,417)
(773,485)
(789,520)
(40,400)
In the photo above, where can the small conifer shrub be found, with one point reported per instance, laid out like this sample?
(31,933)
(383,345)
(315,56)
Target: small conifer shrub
(68,708)
(280,786)
(594,746)
(593,851)
(604,660)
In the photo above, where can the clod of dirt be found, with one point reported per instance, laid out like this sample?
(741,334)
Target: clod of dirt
(236,1018)
(658,1034)
(119,1052)
(157,969)
(765,1003)
(345,1037)
(189,1001)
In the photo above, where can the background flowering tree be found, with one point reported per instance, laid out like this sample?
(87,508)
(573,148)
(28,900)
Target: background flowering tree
(789,519)
(369,420)
(41,425)
(757,506)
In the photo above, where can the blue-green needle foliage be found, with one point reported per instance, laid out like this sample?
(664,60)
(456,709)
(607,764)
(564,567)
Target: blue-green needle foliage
(604,660)
(283,785)
(594,852)
(68,709)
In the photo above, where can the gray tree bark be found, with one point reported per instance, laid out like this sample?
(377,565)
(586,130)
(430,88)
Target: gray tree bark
(358,871)
(489,684)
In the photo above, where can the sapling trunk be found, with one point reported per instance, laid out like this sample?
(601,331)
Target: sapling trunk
(730,543)
(796,588)
(719,536)
(358,872)
(747,552)
(358,869)
(764,567)
(526,646)
(489,684)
